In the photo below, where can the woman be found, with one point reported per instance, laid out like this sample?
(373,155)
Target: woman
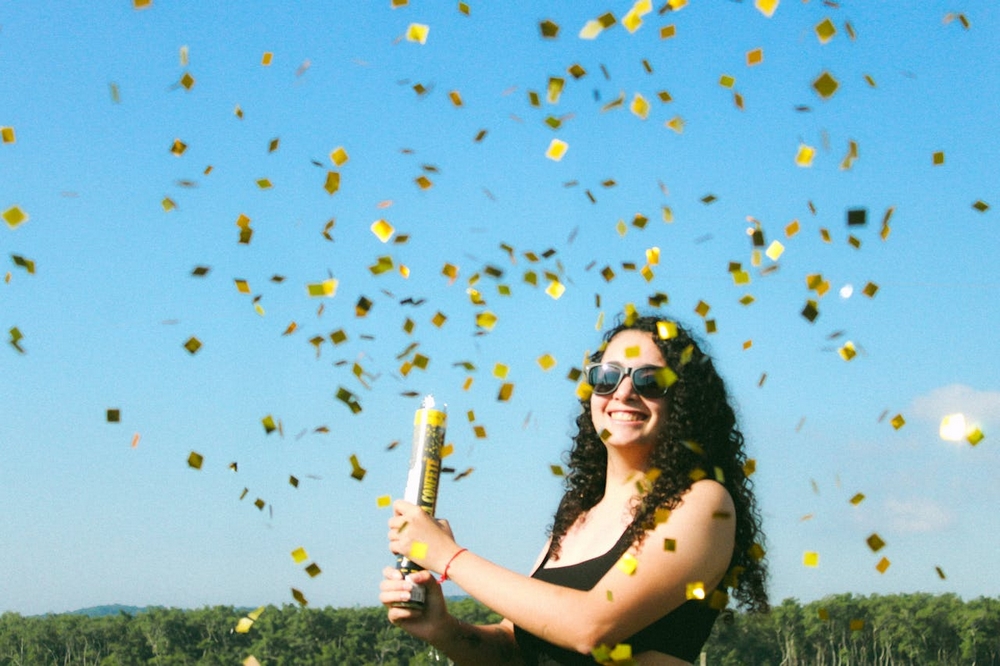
(658,520)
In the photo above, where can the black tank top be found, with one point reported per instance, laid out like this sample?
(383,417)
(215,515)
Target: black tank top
(680,633)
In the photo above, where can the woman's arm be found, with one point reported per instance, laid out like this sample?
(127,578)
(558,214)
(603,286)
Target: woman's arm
(463,643)
(629,597)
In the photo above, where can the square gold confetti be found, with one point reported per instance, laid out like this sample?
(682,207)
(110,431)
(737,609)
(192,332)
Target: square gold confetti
(938,158)
(332,183)
(628,563)
(114,416)
(313,570)
(825,85)
(338,156)
(382,230)
(825,30)
(195,460)
(898,421)
(810,559)
(192,345)
(670,545)
(556,150)
(299,555)
(857,499)
(417,32)
(882,565)
(767,7)
(14,217)
(804,156)
(875,542)
(695,590)
(640,106)
(266,59)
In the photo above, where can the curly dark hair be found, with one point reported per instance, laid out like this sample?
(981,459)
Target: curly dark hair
(701,439)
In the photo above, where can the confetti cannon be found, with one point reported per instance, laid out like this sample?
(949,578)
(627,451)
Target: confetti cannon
(422,479)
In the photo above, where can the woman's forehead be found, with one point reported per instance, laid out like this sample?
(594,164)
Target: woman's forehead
(633,345)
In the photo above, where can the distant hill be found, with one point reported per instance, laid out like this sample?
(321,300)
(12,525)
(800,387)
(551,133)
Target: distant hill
(101,611)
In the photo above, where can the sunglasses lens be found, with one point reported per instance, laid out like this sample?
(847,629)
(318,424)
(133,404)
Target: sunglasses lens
(604,378)
(645,383)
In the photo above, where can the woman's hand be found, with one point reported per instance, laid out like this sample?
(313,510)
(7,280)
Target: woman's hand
(418,537)
(427,623)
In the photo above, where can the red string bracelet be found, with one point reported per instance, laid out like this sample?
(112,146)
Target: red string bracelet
(444,574)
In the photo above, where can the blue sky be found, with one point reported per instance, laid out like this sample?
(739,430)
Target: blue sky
(93,99)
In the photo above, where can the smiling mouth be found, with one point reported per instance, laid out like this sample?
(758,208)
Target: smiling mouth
(628,417)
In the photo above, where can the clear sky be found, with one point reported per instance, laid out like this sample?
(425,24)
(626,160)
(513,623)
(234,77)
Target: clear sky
(119,217)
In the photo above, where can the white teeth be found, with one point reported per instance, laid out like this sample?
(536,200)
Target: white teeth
(626,416)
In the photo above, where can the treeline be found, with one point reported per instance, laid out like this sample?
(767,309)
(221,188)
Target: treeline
(838,630)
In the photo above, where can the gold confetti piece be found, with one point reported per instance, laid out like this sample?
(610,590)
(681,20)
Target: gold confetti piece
(981,206)
(195,460)
(940,572)
(898,421)
(313,570)
(455,97)
(825,85)
(243,626)
(640,106)
(549,29)
(338,336)
(677,5)
(264,183)
(857,499)
(332,183)
(848,351)
(804,156)
(755,57)
(299,555)
(554,89)
(810,559)
(14,217)
(825,30)
(350,400)
(628,563)
(417,32)
(856,625)
(357,471)
(7,134)
(938,158)
(756,552)
(193,344)
(463,8)
(187,81)
(338,156)
(727,81)
(975,436)
(382,230)
(676,124)
(325,289)
(27,264)
(269,424)
(506,391)
(557,148)
(702,309)
(383,501)
(766,7)
(774,250)
(299,597)
(850,157)
(418,550)
(621,653)
(238,112)
(668,31)
(479,431)
(875,542)
(266,59)
(114,416)
(555,289)
(486,320)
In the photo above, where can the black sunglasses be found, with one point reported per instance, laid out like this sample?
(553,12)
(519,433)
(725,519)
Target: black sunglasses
(649,381)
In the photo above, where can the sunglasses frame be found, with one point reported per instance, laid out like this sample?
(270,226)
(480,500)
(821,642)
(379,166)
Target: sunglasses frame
(630,373)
